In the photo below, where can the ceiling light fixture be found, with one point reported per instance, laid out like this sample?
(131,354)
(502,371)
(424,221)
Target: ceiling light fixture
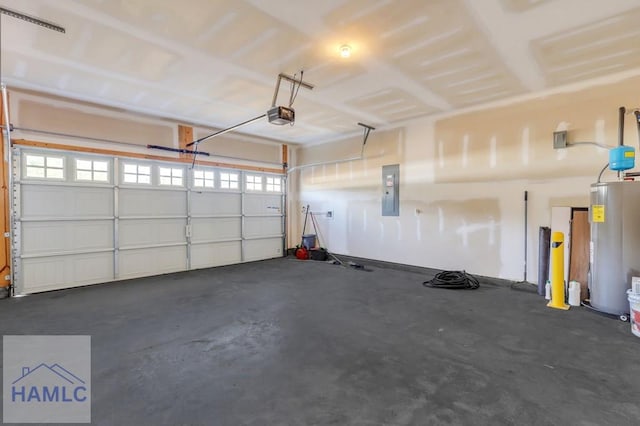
(345,51)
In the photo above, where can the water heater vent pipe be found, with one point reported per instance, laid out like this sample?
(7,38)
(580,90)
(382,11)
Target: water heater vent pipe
(621,111)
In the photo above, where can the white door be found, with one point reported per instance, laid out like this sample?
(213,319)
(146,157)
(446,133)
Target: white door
(64,221)
(216,218)
(152,219)
(263,215)
(85,219)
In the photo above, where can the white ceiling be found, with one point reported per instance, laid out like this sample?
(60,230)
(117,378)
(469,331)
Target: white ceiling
(215,62)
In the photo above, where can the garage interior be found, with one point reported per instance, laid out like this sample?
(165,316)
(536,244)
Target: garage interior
(164,160)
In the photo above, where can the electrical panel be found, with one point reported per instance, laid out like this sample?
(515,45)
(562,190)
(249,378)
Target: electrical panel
(391,190)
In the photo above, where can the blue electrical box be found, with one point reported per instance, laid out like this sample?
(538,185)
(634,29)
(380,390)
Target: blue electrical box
(622,158)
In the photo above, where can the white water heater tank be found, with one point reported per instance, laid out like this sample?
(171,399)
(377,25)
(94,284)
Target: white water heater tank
(614,214)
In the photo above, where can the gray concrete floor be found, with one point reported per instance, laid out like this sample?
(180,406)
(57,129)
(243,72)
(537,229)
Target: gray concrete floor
(289,342)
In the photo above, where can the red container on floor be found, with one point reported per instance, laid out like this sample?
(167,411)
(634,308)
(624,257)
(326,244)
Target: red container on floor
(302,253)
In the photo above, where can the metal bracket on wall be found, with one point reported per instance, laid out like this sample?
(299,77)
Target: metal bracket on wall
(367,130)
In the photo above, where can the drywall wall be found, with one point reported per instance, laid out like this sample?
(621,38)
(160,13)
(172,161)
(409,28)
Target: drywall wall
(65,119)
(462,182)
(50,118)
(238,145)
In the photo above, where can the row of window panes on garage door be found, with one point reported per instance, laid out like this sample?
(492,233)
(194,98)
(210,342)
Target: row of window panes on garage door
(46,167)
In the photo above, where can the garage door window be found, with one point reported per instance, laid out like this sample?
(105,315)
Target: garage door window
(44,167)
(137,173)
(228,180)
(203,179)
(92,170)
(274,184)
(171,176)
(254,183)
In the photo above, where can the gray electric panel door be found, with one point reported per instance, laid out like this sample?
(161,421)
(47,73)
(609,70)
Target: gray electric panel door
(391,190)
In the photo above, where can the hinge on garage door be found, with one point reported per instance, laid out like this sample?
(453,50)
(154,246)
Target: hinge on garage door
(187,231)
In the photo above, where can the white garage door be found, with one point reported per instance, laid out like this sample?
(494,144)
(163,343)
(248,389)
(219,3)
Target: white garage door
(85,219)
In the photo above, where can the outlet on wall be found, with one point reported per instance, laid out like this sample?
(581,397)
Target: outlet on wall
(329,214)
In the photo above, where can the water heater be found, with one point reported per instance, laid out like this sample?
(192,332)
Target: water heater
(614,214)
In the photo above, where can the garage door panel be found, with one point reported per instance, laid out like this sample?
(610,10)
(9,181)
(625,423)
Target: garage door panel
(138,202)
(152,261)
(255,204)
(262,249)
(215,254)
(56,272)
(215,203)
(64,236)
(74,232)
(38,201)
(262,226)
(144,232)
(216,229)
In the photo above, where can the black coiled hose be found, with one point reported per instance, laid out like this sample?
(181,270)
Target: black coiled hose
(453,280)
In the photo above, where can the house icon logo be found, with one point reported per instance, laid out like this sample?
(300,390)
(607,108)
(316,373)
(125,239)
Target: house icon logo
(46,379)
(48,383)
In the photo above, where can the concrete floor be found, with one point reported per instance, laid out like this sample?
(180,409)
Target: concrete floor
(288,342)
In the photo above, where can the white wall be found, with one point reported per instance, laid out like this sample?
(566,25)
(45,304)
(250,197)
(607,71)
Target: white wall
(466,177)
(48,118)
